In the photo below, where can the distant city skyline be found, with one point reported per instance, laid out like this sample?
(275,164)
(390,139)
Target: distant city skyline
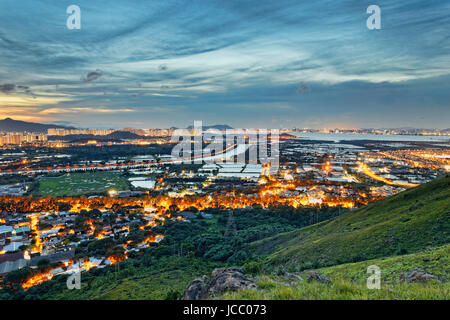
(242,63)
(62,126)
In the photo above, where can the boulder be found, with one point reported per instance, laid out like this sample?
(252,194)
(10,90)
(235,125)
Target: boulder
(417,275)
(195,289)
(293,276)
(220,281)
(314,276)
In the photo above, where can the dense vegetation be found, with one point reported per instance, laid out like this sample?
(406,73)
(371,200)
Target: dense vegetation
(224,238)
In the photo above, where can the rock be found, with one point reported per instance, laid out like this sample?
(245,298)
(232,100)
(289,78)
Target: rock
(220,281)
(195,289)
(293,276)
(314,276)
(228,279)
(417,275)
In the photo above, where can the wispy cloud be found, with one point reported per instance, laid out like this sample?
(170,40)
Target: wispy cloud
(13,100)
(82,110)
(92,76)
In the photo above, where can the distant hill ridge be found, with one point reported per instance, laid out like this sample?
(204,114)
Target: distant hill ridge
(217,127)
(116,135)
(10,125)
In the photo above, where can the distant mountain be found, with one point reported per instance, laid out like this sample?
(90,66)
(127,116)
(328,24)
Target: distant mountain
(217,127)
(123,135)
(10,125)
(114,136)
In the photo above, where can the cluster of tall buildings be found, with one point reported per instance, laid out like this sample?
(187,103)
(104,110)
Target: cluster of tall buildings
(19,138)
(102,132)
(65,132)
(159,132)
(406,131)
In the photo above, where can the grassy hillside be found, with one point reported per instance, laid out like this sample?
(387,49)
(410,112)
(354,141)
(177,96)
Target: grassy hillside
(348,281)
(435,261)
(405,223)
(340,290)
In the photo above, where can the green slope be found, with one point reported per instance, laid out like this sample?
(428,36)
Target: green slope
(348,281)
(435,261)
(405,223)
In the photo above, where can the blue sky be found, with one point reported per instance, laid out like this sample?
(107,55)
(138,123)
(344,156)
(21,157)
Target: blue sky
(244,63)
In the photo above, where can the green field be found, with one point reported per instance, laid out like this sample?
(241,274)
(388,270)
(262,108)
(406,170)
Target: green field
(77,184)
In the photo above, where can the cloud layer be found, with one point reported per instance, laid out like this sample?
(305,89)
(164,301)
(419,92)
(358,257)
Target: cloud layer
(249,63)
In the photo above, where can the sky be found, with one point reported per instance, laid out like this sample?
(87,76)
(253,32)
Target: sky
(245,63)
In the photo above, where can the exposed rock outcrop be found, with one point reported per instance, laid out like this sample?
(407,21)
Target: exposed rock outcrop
(220,281)
(314,276)
(195,289)
(293,276)
(417,275)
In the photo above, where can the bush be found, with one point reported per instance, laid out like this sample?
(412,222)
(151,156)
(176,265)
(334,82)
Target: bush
(172,295)
(253,267)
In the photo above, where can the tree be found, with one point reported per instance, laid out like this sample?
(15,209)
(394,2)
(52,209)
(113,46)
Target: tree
(14,279)
(43,264)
